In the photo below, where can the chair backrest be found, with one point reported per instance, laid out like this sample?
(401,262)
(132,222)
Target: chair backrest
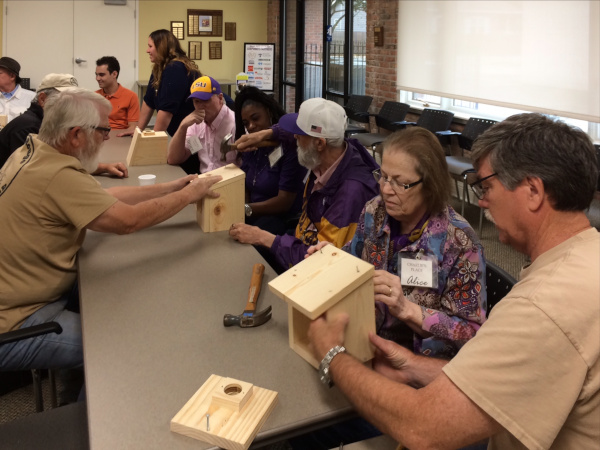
(435,120)
(498,283)
(473,128)
(357,108)
(389,113)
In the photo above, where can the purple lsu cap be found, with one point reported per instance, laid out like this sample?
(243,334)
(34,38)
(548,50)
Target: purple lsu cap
(204,88)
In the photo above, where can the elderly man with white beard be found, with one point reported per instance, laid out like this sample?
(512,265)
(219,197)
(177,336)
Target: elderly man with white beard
(339,184)
(47,201)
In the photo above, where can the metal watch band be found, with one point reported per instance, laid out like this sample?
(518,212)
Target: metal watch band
(247,210)
(324,366)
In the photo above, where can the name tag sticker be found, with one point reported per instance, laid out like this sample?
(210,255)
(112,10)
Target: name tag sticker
(275,156)
(194,144)
(416,272)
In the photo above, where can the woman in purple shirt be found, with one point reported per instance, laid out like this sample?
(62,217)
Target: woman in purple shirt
(274,178)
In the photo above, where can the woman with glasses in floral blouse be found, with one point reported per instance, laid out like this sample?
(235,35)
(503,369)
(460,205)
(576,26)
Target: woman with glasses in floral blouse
(429,277)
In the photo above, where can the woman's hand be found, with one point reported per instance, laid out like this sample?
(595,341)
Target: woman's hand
(388,290)
(249,142)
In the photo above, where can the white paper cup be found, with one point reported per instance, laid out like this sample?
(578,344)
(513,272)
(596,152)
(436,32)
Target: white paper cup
(147,179)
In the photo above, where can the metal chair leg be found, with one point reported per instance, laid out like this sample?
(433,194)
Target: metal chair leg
(37,390)
(480,220)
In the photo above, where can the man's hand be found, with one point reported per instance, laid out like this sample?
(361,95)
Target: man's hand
(196,116)
(326,332)
(118,170)
(388,290)
(248,234)
(391,359)
(248,142)
(200,187)
(315,248)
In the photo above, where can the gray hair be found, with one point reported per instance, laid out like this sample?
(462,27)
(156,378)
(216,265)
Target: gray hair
(48,92)
(562,156)
(68,109)
(335,142)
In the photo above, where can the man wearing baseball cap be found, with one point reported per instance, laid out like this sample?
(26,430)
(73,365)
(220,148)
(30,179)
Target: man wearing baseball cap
(203,130)
(338,186)
(14,100)
(14,134)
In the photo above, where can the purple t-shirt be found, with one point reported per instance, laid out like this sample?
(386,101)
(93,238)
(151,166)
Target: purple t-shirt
(264,182)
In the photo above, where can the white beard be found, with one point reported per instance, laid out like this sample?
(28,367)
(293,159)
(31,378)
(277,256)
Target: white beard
(309,157)
(488,215)
(89,158)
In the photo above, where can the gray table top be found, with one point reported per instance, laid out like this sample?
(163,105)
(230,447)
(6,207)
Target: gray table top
(152,307)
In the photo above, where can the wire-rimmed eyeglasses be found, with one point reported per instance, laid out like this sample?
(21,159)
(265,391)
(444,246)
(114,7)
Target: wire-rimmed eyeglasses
(399,188)
(478,188)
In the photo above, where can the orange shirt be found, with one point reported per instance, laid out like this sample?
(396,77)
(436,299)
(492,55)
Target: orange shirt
(126,107)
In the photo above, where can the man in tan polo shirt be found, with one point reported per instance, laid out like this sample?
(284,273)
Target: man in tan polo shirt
(47,201)
(530,378)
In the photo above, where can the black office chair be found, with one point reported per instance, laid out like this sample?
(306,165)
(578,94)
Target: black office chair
(357,110)
(433,120)
(387,120)
(460,165)
(31,332)
(498,284)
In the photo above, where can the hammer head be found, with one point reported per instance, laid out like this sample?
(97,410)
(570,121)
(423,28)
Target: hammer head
(225,146)
(248,320)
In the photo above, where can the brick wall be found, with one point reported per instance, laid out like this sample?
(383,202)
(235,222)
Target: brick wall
(381,61)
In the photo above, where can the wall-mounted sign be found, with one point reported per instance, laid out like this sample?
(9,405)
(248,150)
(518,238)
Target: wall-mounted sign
(259,65)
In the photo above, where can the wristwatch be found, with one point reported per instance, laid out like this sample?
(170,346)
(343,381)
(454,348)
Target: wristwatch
(324,366)
(248,210)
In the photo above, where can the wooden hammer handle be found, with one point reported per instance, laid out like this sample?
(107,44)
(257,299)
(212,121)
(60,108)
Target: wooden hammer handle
(255,284)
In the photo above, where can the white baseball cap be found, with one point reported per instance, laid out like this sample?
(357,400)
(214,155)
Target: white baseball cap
(317,117)
(58,81)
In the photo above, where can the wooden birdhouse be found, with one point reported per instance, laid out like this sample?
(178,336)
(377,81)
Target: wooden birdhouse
(148,148)
(334,281)
(225,412)
(217,214)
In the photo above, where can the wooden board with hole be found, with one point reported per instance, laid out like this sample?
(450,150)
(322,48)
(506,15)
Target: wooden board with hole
(218,214)
(236,412)
(331,281)
(148,148)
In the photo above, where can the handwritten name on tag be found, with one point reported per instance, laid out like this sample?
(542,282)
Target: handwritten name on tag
(416,272)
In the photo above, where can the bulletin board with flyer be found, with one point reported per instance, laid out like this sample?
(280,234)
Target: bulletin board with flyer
(259,65)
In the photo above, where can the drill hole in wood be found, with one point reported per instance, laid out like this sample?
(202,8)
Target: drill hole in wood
(233,389)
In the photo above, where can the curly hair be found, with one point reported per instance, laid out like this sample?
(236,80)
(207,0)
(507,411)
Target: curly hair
(251,95)
(168,50)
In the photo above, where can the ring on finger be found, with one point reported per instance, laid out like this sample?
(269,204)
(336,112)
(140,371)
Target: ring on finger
(390,294)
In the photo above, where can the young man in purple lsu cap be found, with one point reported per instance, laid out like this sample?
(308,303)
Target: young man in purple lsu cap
(203,130)
(339,184)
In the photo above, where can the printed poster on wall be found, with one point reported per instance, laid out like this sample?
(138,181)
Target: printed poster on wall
(259,64)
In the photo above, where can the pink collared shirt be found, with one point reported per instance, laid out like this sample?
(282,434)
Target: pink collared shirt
(322,179)
(211,137)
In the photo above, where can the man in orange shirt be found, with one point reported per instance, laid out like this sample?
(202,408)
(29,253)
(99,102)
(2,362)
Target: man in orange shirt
(126,106)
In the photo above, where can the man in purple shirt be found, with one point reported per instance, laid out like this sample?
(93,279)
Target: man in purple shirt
(203,130)
(338,186)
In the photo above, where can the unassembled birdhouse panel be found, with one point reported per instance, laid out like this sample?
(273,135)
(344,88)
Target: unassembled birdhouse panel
(225,412)
(218,214)
(148,148)
(331,281)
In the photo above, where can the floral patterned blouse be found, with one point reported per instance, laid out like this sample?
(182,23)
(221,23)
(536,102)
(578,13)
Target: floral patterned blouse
(455,310)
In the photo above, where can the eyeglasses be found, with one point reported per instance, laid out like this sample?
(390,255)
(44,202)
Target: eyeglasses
(103,130)
(398,188)
(478,188)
